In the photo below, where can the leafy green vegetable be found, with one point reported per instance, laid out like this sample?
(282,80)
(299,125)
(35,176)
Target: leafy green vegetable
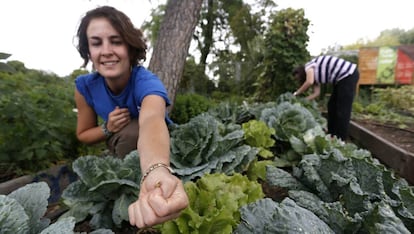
(311,106)
(231,112)
(257,169)
(34,206)
(333,214)
(382,219)
(64,226)
(267,216)
(13,218)
(105,188)
(289,120)
(349,190)
(215,200)
(258,134)
(204,145)
(281,178)
(23,210)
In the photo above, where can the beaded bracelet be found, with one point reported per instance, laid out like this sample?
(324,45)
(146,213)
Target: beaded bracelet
(153,167)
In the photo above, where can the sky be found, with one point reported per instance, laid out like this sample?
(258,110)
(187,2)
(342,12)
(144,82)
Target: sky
(40,33)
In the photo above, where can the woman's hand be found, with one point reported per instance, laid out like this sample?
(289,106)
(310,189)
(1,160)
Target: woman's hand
(161,198)
(118,119)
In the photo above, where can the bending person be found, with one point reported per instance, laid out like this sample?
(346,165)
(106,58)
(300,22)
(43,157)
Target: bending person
(344,76)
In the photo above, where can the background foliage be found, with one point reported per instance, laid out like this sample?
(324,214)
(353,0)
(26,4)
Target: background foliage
(39,123)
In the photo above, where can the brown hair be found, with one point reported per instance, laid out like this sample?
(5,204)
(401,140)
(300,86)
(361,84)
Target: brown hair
(132,36)
(299,73)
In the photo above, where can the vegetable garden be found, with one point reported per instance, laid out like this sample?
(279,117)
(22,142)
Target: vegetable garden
(248,168)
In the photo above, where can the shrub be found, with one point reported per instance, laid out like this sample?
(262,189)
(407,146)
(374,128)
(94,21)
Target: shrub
(187,106)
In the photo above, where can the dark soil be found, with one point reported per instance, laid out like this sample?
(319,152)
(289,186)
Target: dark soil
(6,173)
(401,137)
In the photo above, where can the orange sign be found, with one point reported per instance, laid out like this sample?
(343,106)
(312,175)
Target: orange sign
(386,65)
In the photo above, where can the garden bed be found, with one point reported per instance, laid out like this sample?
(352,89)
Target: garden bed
(391,144)
(401,137)
(366,137)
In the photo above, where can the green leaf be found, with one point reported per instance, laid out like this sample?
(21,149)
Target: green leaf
(333,214)
(215,200)
(382,219)
(63,226)
(13,218)
(34,199)
(110,186)
(289,120)
(92,170)
(6,68)
(278,177)
(257,170)
(204,145)
(79,192)
(4,55)
(267,216)
(120,211)
(106,188)
(79,211)
(298,145)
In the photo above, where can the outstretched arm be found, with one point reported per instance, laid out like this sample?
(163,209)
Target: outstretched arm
(162,195)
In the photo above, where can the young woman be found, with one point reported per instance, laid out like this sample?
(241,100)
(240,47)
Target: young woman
(344,76)
(132,102)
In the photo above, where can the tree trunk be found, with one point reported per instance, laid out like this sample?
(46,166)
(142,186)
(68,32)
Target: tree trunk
(208,34)
(171,49)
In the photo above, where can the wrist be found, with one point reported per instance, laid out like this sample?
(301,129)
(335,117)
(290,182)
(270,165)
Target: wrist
(152,168)
(105,130)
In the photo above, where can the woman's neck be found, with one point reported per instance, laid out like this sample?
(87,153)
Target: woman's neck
(117,85)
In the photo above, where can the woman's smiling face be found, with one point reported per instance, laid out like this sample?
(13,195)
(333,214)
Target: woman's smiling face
(108,51)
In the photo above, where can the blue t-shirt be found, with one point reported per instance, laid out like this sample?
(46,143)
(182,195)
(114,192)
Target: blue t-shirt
(141,83)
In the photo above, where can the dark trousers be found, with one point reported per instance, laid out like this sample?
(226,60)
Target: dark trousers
(340,106)
(123,142)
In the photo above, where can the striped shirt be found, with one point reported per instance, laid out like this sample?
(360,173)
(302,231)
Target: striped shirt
(330,69)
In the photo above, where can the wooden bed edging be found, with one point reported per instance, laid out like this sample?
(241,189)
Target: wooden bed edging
(57,177)
(400,160)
